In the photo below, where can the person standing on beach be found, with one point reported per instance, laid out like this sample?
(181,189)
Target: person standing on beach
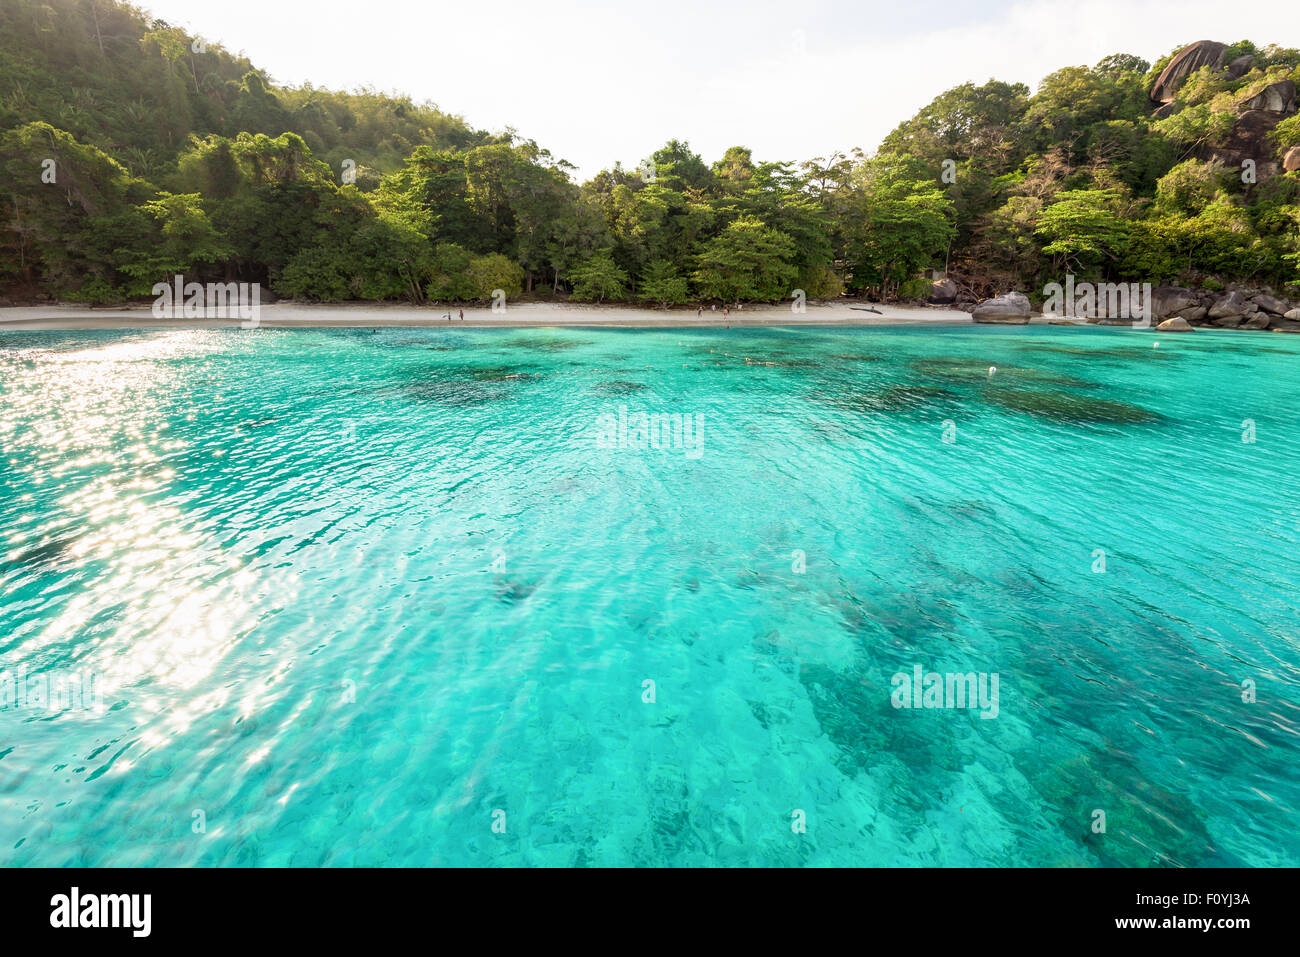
(725,314)
(462,315)
(699,312)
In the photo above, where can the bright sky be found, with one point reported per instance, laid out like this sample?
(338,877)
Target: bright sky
(596,82)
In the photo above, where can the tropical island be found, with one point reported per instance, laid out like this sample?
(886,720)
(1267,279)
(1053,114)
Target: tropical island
(133,152)
(806,593)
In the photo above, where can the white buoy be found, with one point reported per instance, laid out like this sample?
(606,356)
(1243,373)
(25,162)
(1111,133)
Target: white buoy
(992,369)
(1155,345)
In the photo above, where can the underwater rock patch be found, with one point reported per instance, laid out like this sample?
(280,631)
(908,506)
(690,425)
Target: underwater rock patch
(1065,407)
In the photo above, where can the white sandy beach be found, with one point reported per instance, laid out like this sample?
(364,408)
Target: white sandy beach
(287,315)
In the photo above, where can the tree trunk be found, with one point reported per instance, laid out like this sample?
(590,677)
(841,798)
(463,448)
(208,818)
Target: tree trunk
(94,12)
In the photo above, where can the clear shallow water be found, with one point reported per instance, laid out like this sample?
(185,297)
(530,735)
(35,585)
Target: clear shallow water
(350,593)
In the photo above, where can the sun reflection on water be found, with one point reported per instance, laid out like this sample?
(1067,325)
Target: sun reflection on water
(157,605)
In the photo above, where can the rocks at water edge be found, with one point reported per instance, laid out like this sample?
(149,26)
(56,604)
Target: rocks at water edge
(1234,304)
(1293,315)
(1169,300)
(1176,324)
(1271,304)
(1291,162)
(1013,308)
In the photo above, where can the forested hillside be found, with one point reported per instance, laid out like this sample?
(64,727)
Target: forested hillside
(131,151)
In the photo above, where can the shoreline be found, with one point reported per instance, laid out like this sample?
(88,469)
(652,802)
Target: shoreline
(296,315)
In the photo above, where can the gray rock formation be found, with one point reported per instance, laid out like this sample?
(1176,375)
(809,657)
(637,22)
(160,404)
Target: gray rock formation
(1249,138)
(1176,324)
(1241,66)
(943,292)
(1270,304)
(1233,304)
(1185,62)
(1277,97)
(1010,308)
(1168,300)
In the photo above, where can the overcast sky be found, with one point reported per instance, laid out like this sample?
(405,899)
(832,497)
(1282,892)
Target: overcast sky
(595,82)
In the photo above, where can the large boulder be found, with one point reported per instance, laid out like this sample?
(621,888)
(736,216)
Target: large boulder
(1176,324)
(1277,97)
(1186,62)
(1270,304)
(1249,139)
(1167,300)
(1228,322)
(1233,304)
(1011,308)
(1291,162)
(943,292)
(1241,66)
(1259,320)
(1293,315)
(1251,135)
(1194,313)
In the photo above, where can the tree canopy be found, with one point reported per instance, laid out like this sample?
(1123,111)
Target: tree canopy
(132,151)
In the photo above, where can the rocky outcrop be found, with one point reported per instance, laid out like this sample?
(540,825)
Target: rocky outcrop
(1186,62)
(1238,307)
(1257,117)
(1176,324)
(1233,304)
(1275,98)
(1276,306)
(1241,66)
(1168,300)
(1249,140)
(943,292)
(1291,162)
(1010,308)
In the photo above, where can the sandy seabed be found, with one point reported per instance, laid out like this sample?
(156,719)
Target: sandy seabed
(286,315)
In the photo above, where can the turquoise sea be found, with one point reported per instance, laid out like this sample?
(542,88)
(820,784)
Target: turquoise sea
(401,598)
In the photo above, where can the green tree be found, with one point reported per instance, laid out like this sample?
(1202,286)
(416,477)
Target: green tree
(748,261)
(186,239)
(598,279)
(899,226)
(494,272)
(1082,229)
(663,284)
